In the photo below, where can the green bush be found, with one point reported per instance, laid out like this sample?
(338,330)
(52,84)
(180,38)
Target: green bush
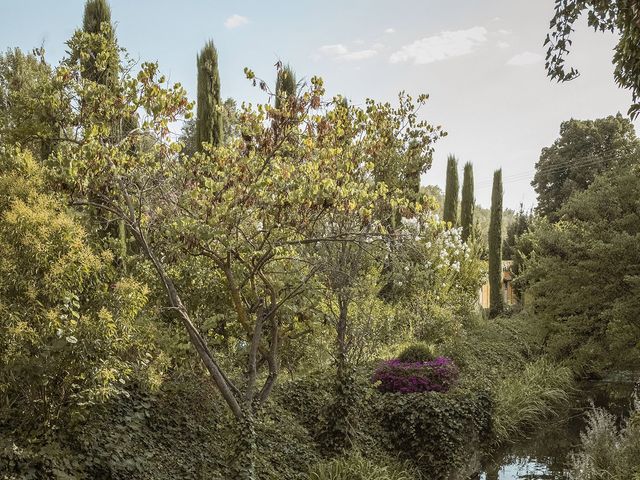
(356,467)
(417,352)
(435,431)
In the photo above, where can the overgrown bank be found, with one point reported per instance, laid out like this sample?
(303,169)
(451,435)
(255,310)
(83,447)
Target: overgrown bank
(182,431)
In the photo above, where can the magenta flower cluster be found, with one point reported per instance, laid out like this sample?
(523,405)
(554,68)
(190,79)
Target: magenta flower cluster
(437,375)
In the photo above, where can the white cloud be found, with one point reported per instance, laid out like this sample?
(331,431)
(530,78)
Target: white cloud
(390,30)
(525,58)
(442,46)
(341,52)
(358,55)
(333,50)
(503,45)
(235,21)
(502,31)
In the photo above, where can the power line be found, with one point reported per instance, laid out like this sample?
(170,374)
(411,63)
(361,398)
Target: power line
(558,167)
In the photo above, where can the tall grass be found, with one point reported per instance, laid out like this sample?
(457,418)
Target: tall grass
(524,399)
(608,452)
(356,467)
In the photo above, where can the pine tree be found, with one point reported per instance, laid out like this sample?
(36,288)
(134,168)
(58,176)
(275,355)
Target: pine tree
(451,192)
(97,20)
(209,114)
(496,301)
(467,204)
(286,85)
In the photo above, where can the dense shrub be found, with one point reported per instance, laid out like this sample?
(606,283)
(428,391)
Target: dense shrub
(417,352)
(437,375)
(582,277)
(436,432)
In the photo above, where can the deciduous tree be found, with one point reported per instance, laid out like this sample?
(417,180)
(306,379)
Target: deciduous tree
(584,149)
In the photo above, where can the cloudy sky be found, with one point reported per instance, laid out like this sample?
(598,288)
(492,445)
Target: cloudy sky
(480,61)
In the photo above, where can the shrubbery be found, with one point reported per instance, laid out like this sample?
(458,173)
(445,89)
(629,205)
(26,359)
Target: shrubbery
(417,352)
(437,375)
(436,432)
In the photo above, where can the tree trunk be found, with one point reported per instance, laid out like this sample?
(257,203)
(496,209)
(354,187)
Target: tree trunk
(243,463)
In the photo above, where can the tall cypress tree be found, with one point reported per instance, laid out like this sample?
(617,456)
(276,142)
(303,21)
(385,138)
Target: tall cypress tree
(209,114)
(496,301)
(467,203)
(97,20)
(286,85)
(451,192)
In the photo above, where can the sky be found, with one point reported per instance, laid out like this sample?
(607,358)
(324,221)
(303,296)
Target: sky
(481,62)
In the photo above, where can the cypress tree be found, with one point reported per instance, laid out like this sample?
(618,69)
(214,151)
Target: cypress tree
(209,115)
(286,85)
(496,302)
(467,203)
(97,20)
(451,192)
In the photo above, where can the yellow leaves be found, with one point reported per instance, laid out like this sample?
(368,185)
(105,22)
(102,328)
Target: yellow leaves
(106,319)
(249,74)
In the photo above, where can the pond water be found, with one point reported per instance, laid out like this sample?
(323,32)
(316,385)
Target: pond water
(545,454)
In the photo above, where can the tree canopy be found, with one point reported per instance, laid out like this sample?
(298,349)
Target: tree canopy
(619,16)
(584,149)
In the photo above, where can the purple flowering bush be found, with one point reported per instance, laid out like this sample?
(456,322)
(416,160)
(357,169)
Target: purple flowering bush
(437,375)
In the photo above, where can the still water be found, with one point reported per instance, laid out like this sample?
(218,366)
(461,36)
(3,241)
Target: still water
(545,454)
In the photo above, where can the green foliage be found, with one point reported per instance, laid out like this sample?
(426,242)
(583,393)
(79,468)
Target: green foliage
(356,467)
(619,17)
(516,250)
(436,431)
(451,192)
(286,86)
(401,148)
(72,334)
(209,128)
(481,220)
(524,399)
(608,452)
(515,230)
(436,280)
(467,203)
(230,127)
(98,67)
(23,119)
(489,350)
(417,352)
(584,149)
(582,276)
(252,258)
(338,435)
(496,300)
